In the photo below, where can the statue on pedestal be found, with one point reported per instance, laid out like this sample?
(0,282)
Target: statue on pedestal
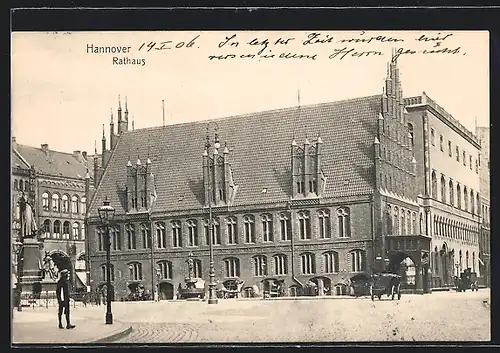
(28,228)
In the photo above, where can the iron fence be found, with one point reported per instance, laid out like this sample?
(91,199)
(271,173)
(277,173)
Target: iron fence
(49,299)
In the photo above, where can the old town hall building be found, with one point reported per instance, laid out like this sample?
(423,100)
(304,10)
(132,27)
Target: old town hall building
(316,193)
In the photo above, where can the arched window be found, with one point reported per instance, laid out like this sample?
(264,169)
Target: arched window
(344,222)
(116,242)
(83,205)
(443,189)
(192,232)
(452,196)
(280,264)
(249,229)
(15,185)
(104,276)
(82,232)
(408,229)
(57,229)
(324,224)
(457,152)
(21,185)
(414,223)
(76,231)
(434,185)
(388,216)
(402,229)
(331,262)
(467,259)
(176,234)
(74,204)
(135,271)
(463,158)
(421,223)
(304,225)
(472,205)
(65,203)
(441,148)
(267,228)
(285,226)
(56,203)
(410,134)
(433,137)
(307,264)
(131,238)
(101,241)
(232,230)
(460,260)
(259,265)
(358,260)
(197,269)
(449,148)
(232,267)
(145,236)
(478,204)
(216,238)
(466,199)
(161,238)
(459,197)
(45,201)
(46,228)
(165,270)
(395,221)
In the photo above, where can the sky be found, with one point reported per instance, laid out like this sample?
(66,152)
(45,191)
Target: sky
(62,94)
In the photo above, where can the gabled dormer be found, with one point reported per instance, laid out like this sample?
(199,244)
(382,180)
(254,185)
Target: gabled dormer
(308,180)
(140,186)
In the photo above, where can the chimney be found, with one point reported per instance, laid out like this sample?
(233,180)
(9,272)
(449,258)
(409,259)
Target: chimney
(45,146)
(77,154)
(84,155)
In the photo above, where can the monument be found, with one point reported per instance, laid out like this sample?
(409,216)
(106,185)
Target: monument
(194,289)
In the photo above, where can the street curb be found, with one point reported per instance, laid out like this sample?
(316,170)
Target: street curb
(115,336)
(329,297)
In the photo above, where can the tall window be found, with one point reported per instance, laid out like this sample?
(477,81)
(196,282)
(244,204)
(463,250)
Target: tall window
(410,130)
(304,225)
(324,224)
(470,162)
(165,270)
(135,271)
(466,199)
(248,229)
(232,267)
(82,232)
(477,167)
(267,228)
(192,232)
(57,229)
(15,185)
(280,264)
(131,239)
(463,158)
(259,266)
(285,226)
(66,230)
(457,153)
(441,143)
(176,234)
(232,231)
(104,277)
(473,261)
(145,236)
(434,185)
(45,201)
(449,148)
(443,189)
(357,258)
(56,203)
(331,262)
(101,241)
(433,137)
(459,197)
(74,204)
(216,238)
(467,259)
(76,231)
(83,205)
(344,222)
(472,205)
(116,242)
(307,264)
(197,269)
(161,238)
(46,228)
(452,196)
(65,204)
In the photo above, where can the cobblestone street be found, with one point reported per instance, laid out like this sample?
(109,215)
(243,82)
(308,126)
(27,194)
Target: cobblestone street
(439,316)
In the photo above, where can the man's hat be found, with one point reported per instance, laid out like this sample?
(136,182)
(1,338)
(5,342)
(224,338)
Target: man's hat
(64,271)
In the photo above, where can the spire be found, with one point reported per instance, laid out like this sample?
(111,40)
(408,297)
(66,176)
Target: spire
(119,113)
(87,175)
(126,109)
(111,116)
(377,142)
(95,148)
(226,150)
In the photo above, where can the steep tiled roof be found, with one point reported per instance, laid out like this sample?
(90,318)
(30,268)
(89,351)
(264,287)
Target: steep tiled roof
(54,162)
(18,162)
(259,145)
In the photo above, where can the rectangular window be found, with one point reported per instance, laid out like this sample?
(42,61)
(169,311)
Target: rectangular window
(470,162)
(449,148)
(160,236)
(457,154)
(176,234)
(441,143)
(146,240)
(285,227)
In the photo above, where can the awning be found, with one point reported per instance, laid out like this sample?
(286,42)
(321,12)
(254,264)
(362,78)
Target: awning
(481,261)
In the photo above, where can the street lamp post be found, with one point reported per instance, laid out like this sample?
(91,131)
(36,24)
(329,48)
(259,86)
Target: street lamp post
(106,214)
(158,277)
(18,251)
(212,297)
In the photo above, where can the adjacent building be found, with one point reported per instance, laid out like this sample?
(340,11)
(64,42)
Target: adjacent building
(57,186)
(319,193)
(483,134)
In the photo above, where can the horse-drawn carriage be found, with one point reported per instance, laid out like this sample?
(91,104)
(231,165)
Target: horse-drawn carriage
(230,289)
(467,280)
(385,283)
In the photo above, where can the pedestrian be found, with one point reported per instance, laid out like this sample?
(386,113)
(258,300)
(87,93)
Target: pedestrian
(62,292)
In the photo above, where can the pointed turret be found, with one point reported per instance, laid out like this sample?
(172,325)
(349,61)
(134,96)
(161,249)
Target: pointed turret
(126,109)
(122,123)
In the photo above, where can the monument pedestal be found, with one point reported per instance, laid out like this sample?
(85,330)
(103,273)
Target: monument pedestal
(30,278)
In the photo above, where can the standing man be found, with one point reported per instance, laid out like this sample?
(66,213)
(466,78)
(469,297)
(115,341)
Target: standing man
(62,292)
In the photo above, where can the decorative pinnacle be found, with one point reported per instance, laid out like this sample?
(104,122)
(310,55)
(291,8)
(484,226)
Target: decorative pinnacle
(111,115)
(119,103)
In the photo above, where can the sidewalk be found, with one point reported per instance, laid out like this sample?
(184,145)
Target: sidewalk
(33,326)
